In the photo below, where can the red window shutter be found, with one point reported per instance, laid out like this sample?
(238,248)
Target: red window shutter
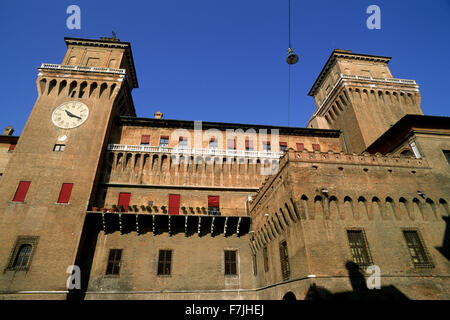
(212,140)
(145,138)
(316,147)
(174,204)
(213,201)
(21,191)
(300,146)
(283,144)
(66,191)
(124,200)
(164,137)
(12,146)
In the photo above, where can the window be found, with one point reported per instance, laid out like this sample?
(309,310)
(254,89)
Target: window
(316,147)
(113,268)
(59,147)
(248,145)
(266,146)
(12,146)
(283,146)
(359,247)
(417,250)
(300,146)
(164,262)
(174,204)
(213,143)
(21,191)
(66,191)
(22,253)
(447,155)
(255,265)
(284,258)
(182,143)
(266,259)
(145,140)
(231,145)
(230,262)
(214,205)
(164,141)
(124,200)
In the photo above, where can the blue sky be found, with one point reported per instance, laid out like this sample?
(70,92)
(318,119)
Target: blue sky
(217,60)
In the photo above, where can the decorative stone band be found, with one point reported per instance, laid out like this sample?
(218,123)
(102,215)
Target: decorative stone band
(196,152)
(81,68)
(344,77)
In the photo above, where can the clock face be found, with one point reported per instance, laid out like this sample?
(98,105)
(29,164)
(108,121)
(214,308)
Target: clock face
(70,115)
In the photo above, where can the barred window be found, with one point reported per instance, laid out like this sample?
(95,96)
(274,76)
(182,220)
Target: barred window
(266,259)
(164,262)
(230,262)
(417,250)
(359,247)
(284,258)
(22,252)
(113,267)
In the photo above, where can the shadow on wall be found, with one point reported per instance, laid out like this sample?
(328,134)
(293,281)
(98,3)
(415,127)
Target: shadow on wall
(360,290)
(445,249)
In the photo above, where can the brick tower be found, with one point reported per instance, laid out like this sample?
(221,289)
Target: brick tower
(357,94)
(50,180)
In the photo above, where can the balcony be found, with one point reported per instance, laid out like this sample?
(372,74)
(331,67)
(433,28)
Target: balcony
(53,66)
(142,223)
(196,152)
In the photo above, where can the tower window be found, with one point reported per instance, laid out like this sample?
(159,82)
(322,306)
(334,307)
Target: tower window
(164,262)
(21,191)
(213,143)
(316,147)
(164,141)
(284,258)
(417,249)
(20,259)
(230,262)
(145,140)
(359,248)
(283,146)
(214,205)
(113,267)
(266,146)
(182,143)
(59,147)
(266,259)
(66,191)
(248,145)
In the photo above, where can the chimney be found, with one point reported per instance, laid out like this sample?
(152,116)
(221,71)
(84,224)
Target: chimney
(8,131)
(158,115)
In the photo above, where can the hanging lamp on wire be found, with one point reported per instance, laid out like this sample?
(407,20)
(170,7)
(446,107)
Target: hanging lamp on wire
(292,57)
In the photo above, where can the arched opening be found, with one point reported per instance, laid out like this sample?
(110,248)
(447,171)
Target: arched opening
(289,296)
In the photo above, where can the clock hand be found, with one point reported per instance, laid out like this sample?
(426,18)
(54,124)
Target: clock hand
(70,114)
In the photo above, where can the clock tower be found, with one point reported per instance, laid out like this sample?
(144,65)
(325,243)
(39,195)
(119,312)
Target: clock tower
(51,179)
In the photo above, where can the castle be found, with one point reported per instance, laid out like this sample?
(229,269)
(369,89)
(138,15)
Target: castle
(97,203)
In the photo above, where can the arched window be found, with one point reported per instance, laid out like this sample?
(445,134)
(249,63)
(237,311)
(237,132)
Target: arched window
(22,257)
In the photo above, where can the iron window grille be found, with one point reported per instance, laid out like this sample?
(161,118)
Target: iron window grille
(284,258)
(230,262)
(113,267)
(164,262)
(417,249)
(359,247)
